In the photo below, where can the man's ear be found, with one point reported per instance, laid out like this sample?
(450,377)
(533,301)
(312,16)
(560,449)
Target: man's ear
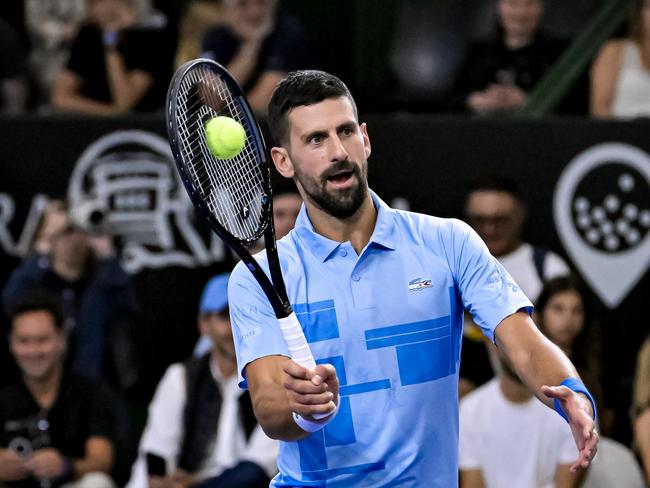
(282,161)
(366,139)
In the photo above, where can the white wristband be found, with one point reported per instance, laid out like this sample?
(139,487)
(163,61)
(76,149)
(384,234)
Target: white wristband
(313,426)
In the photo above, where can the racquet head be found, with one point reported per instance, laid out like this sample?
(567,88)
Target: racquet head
(234,193)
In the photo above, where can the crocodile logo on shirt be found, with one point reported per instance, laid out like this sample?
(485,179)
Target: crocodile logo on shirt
(419,284)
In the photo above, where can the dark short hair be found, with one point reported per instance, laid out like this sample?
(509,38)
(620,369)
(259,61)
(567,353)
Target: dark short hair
(37,300)
(302,88)
(493,182)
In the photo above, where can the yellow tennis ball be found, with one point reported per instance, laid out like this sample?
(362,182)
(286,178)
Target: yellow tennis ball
(225,137)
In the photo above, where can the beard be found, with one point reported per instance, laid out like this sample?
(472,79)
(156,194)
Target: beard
(339,203)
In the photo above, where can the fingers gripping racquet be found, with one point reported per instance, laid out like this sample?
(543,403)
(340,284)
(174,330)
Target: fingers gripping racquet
(232,195)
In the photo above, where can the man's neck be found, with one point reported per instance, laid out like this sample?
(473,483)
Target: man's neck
(514,390)
(46,389)
(515,41)
(66,271)
(227,366)
(357,228)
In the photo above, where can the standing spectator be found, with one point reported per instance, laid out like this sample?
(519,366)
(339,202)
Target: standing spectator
(200,422)
(641,406)
(508,438)
(55,426)
(257,46)
(97,295)
(496,210)
(51,27)
(499,72)
(620,76)
(116,64)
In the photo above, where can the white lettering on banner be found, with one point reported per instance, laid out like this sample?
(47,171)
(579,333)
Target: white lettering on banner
(606,232)
(126,183)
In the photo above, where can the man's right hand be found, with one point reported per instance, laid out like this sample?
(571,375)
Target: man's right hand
(311,391)
(12,466)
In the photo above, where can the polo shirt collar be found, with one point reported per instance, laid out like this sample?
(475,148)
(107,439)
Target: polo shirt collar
(322,247)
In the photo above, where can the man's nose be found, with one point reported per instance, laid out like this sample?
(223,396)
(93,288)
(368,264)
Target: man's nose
(338,152)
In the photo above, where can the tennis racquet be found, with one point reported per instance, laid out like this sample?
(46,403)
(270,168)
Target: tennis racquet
(233,195)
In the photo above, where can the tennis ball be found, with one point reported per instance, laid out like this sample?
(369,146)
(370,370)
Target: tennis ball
(225,137)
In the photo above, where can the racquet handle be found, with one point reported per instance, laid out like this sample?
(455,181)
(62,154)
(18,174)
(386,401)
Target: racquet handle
(298,347)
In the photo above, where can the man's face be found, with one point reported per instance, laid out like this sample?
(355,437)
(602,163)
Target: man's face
(285,212)
(328,156)
(520,17)
(497,217)
(36,344)
(216,325)
(70,245)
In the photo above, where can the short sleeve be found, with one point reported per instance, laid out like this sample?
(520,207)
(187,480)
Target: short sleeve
(219,44)
(288,49)
(487,289)
(255,328)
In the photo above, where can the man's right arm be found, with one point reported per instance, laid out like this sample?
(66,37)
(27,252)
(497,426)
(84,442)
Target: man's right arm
(279,387)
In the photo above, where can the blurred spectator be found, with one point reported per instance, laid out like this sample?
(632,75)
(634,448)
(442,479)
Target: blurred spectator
(641,406)
(286,207)
(498,73)
(97,296)
(496,210)
(51,27)
(508,438)
(620,77)
(564,316)
(119,61)
(199,16)
(13,82)
(257,46)
(201,426)
(56,426)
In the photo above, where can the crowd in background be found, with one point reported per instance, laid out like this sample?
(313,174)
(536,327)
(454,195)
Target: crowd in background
(71,306)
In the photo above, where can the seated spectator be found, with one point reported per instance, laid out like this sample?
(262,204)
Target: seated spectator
(509,438)
(97,295)
(620,76)
(51,28)
(495,208)
(198,18)
(201,426)
(257,46)
(13,80)
(641,406)
(498,73)
(55,426)
(116,64)
(564,316)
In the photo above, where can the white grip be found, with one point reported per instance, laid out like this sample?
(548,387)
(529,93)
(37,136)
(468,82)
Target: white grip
(295,339)
(298,347)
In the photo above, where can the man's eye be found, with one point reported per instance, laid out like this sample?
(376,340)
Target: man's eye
(315,139)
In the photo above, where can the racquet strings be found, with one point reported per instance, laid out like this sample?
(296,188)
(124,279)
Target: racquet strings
(233,189)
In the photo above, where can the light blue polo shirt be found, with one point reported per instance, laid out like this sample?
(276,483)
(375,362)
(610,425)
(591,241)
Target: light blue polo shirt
(390,320)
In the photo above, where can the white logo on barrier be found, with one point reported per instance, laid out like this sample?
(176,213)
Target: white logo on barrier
(127,181)
(602,213)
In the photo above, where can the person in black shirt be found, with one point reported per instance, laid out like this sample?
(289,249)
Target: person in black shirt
(115,65)
(499,72)
(55,426)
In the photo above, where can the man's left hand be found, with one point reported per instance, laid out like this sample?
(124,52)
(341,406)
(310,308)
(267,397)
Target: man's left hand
(578,410)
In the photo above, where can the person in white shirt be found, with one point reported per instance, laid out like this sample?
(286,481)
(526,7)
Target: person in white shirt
(508,438)
(201,429)
(496,210)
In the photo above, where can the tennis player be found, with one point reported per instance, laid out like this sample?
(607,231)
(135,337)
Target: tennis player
(380,295)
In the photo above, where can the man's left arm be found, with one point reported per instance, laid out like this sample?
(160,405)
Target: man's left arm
(542,366)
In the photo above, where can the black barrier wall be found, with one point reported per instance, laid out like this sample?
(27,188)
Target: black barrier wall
(427,161)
